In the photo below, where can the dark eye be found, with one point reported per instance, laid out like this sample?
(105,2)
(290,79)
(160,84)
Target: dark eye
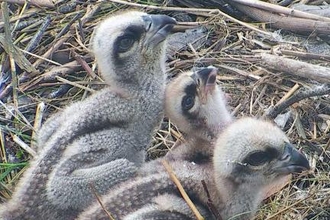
(125,43)
(188,102)
(257,158)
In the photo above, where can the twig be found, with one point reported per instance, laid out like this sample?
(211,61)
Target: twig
(239,71)
(261,94)
(74,84)
(289,93)
(288,207)
(85,65)
(51,75)
(17,113)
(295,67)
(38,3)
(299,25)
(8,37)
(3,149)
(62,90)
(20,25)
(319,9)
(192,10)
(316,91)
(59,39)
(37,124)
(50,51)
(306,55)
(68,26)
(91,10)
(20,59)
(181,189)
(34,42)
(100,202)
(210,204)
(41,58)
(14,18)
(280,9)
(23,145)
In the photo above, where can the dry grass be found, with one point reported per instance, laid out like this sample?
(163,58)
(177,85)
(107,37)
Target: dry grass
(49,70)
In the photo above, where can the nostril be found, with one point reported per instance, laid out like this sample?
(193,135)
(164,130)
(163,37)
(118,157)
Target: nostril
(211,79)
(285,157)
(148,21)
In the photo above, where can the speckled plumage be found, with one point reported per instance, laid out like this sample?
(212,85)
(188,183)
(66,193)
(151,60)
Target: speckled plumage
(200,124)
(99,142)
(249,156)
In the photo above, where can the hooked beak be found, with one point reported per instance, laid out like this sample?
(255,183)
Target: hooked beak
(206,79)
(158,27)
(292,161)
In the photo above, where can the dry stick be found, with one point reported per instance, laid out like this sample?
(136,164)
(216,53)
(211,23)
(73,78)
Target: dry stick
(38,3)
(74,84)
(34,42)
(100,202)
(288,94)
(60,40)
(84,64)
(91,10)
(239,71)
(316,91)
(17,115)
(8,38)
(20,59)
(37,124)
(280,9)
(68,26)
(261,94)
(26,14)
(299,25)
(23,145)
(3,149)
(21,25)
(192,10)
(306,55)
(288,207)
(56,71)
(20,14)
(321,10)
(40,57)
(210,204)
(182,191)
(327,146)
(297,68)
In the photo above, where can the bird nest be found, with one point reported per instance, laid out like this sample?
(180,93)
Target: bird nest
(277,69)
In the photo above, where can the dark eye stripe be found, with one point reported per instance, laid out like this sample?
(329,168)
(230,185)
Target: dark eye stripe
(258,158)
(135,32)
(190,91)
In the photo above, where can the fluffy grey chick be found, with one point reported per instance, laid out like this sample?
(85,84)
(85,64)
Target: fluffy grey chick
(250,155)
(113,58)
(197,106)
(195,103)
(100,140)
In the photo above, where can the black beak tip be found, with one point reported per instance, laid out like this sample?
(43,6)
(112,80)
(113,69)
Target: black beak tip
(297,162)
(208,75)
(158,22)
(158,27)
(304,164)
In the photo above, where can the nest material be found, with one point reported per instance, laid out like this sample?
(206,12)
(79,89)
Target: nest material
(46,65)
